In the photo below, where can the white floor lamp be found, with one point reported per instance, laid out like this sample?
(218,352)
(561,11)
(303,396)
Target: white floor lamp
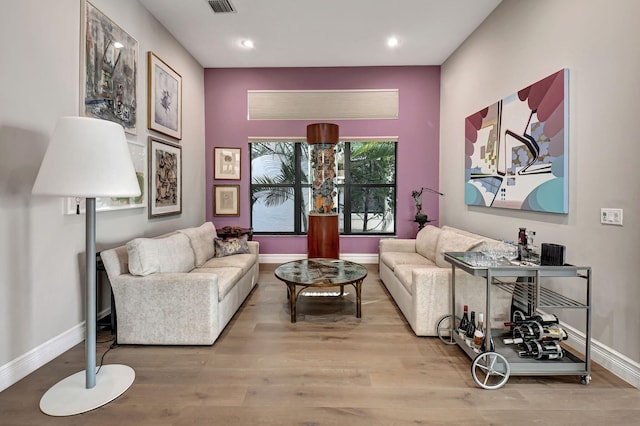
(87,158)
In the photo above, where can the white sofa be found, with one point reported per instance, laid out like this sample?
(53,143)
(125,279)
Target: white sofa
(173,290)
(419,279)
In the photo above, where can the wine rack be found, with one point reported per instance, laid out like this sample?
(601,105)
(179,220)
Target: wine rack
(491,369)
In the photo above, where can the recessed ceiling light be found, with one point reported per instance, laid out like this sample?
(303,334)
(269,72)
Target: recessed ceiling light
(247,44)
(392,41)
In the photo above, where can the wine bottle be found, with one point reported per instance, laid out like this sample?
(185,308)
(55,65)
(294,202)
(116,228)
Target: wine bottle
(542,319)
(471,329)
(492,346)
(542,350)
(478,335)
(464,322)
(534,331)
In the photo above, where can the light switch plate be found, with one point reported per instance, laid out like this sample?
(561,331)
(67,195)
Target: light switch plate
(611,216)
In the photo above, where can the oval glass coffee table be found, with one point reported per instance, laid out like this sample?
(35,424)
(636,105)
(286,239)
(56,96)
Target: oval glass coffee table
(320,273)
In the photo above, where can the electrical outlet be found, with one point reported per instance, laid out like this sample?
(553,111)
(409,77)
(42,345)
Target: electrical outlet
(611,216)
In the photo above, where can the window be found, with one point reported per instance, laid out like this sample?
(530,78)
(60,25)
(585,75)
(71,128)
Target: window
(365,186)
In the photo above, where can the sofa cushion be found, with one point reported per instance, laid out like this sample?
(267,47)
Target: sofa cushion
(230,246)
(405,274)
(427,240)
(201,239)
(242,261)
(450,240)
(227,278)
(394,258)
(152,255)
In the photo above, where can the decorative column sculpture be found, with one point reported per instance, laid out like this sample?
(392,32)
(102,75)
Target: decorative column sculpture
(323,237)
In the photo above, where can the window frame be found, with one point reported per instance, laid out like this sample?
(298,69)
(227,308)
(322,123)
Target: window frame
(347,186)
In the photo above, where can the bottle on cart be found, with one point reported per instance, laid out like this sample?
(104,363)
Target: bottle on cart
(478,334)
(540,318)
(491,347)
(534,331)
(542,350)
(471,329)
(522,243)
(464,322)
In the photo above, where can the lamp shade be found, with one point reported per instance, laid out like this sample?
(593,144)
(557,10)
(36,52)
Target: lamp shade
(87,158)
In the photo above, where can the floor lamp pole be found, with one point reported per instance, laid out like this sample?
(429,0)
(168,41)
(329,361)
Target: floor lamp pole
(90,302)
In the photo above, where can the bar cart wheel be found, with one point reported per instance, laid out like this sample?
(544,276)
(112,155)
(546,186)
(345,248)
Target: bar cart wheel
(584,380)
(446,327)
(490,370)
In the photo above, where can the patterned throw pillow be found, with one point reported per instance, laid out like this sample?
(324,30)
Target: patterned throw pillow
(230,246)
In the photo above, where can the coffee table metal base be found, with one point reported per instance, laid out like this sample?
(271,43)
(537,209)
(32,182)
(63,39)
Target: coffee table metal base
(293,301)
(321,273)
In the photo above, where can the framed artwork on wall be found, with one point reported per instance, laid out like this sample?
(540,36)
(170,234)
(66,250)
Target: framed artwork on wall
(165,178)
(226,163)
(226,200)
(109,70)
(139,157)
(165,98)
(517,149)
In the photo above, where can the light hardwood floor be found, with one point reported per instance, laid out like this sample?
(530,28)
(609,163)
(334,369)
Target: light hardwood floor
(329,368)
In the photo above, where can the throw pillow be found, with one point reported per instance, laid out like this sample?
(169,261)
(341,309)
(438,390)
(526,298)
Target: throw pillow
(231,246)
(152,255)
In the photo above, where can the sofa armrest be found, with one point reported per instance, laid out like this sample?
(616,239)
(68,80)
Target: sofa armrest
(254,247)
(397,245)
(166,308)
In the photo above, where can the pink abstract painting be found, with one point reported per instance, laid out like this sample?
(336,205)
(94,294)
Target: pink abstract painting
(516,149)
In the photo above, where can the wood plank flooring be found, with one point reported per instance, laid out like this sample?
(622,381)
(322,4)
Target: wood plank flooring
(330,368)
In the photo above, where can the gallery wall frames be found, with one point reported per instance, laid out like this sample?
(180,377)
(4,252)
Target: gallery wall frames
(165,98)
(226,200)
(226,163)
(109,70)
(516,150)
(165,178)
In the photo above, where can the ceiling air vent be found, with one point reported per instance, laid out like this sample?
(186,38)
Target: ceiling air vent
(221,6)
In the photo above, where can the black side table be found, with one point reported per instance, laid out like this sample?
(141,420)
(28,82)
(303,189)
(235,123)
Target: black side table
(234,232)
(112,316)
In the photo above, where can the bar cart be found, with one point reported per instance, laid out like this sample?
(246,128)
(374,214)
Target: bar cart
(491,369)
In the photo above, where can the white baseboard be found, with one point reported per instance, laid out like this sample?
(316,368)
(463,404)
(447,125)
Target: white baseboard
(618,364)
(365,258)
(26,364)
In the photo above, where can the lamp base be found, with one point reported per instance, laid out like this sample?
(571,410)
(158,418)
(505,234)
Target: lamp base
(70,396)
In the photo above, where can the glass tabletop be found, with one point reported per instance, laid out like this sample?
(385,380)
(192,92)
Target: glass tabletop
(321,272)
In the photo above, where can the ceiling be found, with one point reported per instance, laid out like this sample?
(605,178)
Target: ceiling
(313,33)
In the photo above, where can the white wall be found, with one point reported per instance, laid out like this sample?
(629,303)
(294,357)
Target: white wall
(520,43)
(41,289)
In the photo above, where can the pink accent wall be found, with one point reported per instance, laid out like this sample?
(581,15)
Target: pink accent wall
(417,128)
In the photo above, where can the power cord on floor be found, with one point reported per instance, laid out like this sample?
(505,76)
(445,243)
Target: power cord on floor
(113,345)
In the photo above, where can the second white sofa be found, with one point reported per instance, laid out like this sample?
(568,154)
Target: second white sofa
(419,279)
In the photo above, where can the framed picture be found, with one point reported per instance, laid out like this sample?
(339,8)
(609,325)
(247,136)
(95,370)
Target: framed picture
(226,163)
(165,98)
(165,178)
(139,157)
(109,70)
(226,200)
(517,149)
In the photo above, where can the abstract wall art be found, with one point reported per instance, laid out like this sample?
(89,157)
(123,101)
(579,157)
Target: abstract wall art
(165,98)
(109,70)
(165,178)
(516,150)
